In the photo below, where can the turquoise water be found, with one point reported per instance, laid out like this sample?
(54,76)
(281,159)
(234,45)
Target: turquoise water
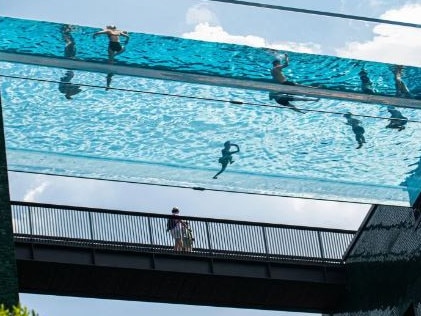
(227,60)
(151,138)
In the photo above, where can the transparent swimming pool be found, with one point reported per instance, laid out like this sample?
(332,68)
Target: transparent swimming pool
(26,37)
(139,131)
(172,133)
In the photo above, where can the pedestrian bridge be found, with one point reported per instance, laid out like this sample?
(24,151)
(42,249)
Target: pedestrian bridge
(86,252)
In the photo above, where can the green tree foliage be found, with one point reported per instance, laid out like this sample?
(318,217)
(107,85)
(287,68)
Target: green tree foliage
(16,311)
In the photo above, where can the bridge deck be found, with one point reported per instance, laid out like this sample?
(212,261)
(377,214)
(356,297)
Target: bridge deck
(99,253)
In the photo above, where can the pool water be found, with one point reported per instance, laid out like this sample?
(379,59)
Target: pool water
(130,135)
(218,59)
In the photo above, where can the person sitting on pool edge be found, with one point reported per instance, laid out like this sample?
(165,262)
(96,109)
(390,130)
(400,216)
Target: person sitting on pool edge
(114,46)
(226,156)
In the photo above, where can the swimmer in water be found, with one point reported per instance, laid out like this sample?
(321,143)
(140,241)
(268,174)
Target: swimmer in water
(226,156)
(356,128)
(284,100)
(397,120)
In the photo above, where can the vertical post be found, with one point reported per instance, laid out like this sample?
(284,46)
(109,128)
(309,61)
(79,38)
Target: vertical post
(265,239)
(322,250)
(91,227)
(150,232)
(208,237)
(31,227)
(8,271)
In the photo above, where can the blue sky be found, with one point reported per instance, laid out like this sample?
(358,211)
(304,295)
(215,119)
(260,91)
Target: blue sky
(217,22)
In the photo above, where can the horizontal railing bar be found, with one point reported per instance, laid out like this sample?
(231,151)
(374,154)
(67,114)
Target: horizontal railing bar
(164,74)
(202,219)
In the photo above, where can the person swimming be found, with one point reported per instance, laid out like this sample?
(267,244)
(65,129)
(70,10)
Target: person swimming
(397,120)
(284,100)
(226,157)
(356,128)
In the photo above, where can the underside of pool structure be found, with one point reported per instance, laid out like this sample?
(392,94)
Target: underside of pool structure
(162,112)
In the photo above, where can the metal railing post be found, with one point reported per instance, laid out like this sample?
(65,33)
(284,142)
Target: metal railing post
(208,237)
(31,229)
(91,228)
(322,251)
(265,239)
(150,233)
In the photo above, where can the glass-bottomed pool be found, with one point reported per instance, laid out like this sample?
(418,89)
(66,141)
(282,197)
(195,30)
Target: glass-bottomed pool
(171,133)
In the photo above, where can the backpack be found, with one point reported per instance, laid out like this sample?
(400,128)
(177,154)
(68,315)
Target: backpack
(171,223)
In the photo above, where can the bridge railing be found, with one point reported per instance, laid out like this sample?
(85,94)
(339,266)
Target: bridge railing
(88,227)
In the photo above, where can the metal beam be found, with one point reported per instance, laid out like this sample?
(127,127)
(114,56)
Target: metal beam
(195,78)
(8,272)
(60,269)
(316,12)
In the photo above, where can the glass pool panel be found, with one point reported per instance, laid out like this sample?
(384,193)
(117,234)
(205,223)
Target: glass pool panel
(19,37)
(171,133)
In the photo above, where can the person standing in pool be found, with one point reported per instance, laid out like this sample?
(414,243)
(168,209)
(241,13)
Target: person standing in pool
(277,73)
(400,86)
(70,48)
(356,128)
(226,156)
(114,46)
(366,84)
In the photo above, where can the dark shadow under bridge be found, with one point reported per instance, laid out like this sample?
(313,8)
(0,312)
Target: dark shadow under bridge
(76,251)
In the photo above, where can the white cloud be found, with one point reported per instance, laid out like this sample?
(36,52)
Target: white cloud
(200,13)
(31,195)
(206,32)
(391,44)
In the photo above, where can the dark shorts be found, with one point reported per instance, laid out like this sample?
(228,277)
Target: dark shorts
(115,46)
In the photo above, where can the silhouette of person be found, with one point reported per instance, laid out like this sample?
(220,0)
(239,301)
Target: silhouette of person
(226,156)
(366,84)
(188,237)
(356,128)
(397,120)
(66,87)
(284,100)
(109,79)
(114,45)
(400,86)
(176,226)
(70,47)
(277,71)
